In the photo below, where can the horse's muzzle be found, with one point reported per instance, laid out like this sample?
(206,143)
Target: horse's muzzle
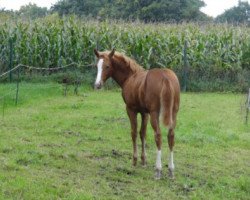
(98,86)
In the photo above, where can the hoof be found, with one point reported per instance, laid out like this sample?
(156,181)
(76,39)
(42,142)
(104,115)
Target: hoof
(134,162)
(143,163)
(171,174)
(158,174)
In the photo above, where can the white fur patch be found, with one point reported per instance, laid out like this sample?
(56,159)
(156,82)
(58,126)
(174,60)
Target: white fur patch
(99,72)
(171,161)
(158,160)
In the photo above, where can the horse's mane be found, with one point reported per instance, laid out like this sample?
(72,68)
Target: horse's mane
(119,57)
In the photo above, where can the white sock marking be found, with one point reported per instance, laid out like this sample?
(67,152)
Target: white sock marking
(158,160)
(99,72)
(171,161)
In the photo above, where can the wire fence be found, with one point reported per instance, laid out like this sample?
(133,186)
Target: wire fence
(15,91)
(65,83)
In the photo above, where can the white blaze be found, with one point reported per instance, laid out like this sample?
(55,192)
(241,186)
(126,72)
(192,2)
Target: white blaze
(99,72)
(171,161)
(158,160)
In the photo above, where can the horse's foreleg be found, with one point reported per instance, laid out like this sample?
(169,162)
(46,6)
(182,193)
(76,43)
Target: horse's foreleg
(171,154)
(154,119)
(144,121)
(133,122)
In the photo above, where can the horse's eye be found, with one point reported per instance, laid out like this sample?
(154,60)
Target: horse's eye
(107,66)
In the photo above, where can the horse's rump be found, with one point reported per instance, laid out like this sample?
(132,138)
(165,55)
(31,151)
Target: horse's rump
(162,94)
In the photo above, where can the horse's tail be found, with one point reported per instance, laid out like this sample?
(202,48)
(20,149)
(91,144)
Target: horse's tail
(167,103)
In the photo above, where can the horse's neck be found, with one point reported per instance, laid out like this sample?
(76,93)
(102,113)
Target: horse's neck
(121,74)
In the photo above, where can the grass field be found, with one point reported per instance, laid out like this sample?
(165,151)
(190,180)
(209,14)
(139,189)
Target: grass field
(79,147)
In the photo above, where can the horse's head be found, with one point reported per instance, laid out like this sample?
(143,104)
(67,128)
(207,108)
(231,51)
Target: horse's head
(104,67)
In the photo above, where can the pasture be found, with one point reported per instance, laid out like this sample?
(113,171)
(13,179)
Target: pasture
(79,147)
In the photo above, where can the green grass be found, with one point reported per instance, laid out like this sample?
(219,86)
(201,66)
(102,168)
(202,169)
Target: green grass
(79,147)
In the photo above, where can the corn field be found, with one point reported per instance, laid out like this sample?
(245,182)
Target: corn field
(218,55)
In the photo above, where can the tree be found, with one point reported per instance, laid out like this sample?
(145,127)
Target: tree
(177,10)
(5,15)
(145,10)
(32,11)
(237,14)
(78,7)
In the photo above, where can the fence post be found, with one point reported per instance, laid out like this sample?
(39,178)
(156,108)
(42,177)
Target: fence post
(65,84)
(76,82)
(185,66)
(11,58)
(247,105)
(3,107)
(17,84)
(65,89)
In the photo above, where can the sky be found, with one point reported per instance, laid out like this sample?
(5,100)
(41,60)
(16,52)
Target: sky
(216,7)
(213,7)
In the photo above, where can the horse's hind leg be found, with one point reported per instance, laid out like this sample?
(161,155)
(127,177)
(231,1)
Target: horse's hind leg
(154,119)
(171,154)
(133,122)
(144,121)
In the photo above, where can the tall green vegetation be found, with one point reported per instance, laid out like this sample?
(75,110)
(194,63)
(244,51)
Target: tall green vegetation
(145,10)
(237,14)
(218,55)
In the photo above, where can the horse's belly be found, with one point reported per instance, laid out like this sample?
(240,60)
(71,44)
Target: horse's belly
(134,99)
(134,94)
(138,107)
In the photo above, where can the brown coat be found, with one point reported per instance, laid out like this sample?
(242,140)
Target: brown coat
(151,92)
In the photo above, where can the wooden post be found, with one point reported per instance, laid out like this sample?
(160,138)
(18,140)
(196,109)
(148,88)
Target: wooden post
(247,105)
(3,106)
(185,66)
(11,58)
(17,84)
(77,83)
(65,89)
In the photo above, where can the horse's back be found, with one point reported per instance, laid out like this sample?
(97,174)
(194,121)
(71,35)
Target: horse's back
(156,76)
(143,90)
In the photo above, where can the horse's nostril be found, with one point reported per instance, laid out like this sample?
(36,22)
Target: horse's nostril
(98,86)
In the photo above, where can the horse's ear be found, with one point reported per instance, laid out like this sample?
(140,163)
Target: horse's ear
(111,54)
(96,53)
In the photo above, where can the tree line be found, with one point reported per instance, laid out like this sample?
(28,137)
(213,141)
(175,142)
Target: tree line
(130,10)
(144,10)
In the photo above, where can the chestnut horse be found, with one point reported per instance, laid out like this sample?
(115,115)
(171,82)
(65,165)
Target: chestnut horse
(152,92)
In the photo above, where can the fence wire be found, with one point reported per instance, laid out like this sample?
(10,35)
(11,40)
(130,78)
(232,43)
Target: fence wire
(42,68)
(19,66)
